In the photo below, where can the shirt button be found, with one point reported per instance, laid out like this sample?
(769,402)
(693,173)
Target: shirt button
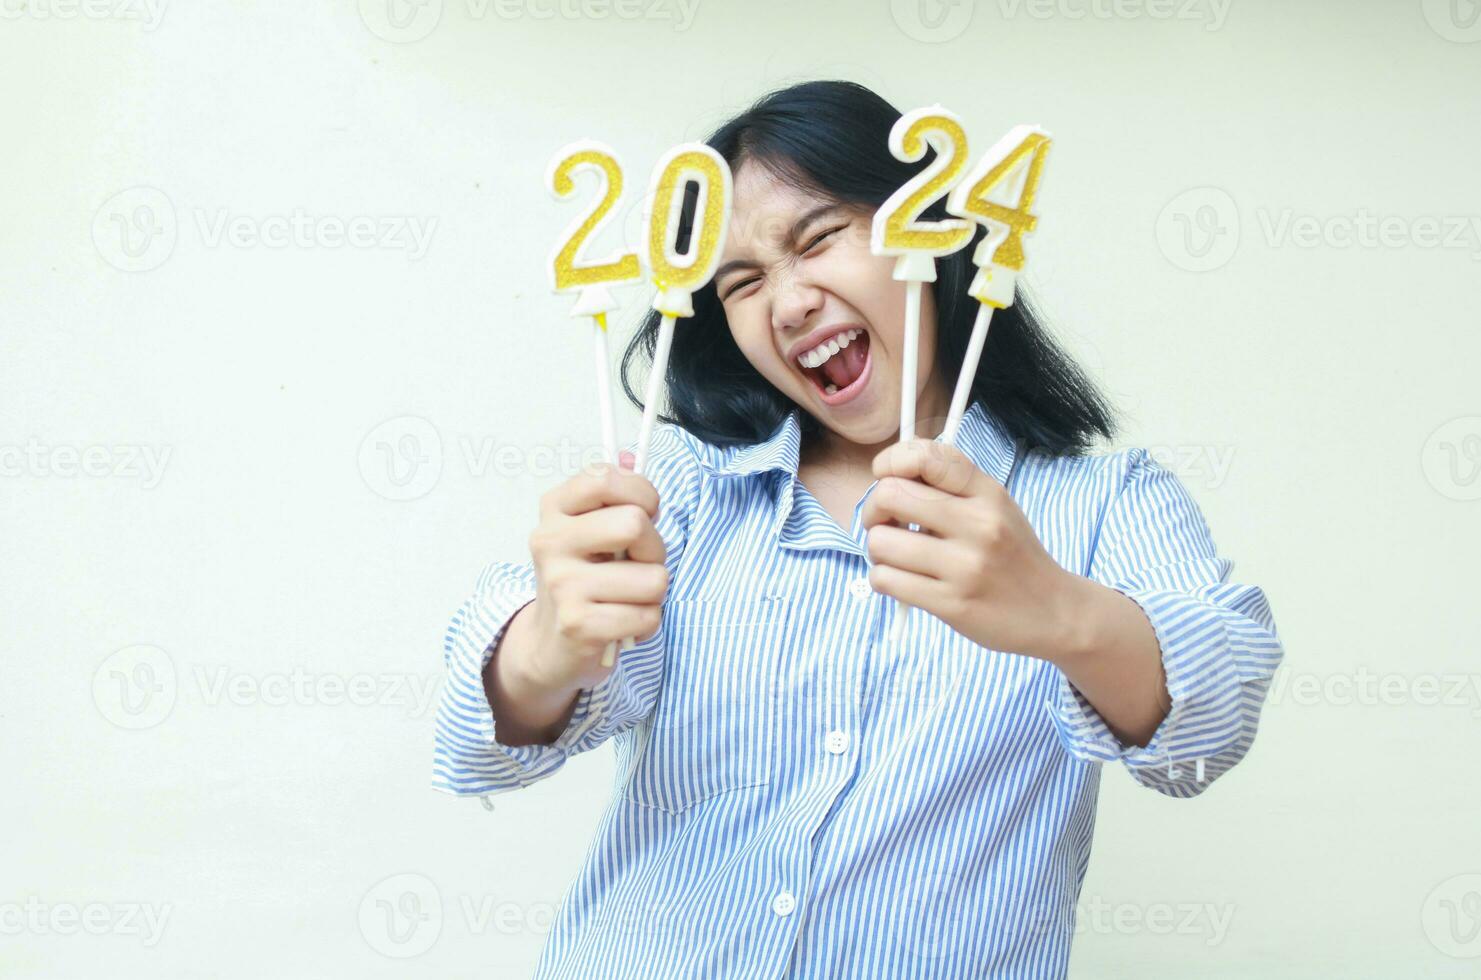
(860,588)
(836,742)
(783,904)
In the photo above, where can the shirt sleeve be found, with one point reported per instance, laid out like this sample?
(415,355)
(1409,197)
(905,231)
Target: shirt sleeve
(468,758)
(1218,638)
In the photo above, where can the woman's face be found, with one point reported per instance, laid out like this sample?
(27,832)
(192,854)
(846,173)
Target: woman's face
(796,273)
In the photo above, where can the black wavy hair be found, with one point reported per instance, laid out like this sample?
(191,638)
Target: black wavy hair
(831,138)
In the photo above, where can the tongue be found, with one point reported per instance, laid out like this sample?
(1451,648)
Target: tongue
(844,368)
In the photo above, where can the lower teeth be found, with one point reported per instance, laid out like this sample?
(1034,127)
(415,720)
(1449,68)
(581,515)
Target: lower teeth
(831,389)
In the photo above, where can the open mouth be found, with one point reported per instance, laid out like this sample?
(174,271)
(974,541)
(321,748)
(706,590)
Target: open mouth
(838,368)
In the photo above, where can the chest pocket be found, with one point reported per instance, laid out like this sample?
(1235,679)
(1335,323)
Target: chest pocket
(713,726)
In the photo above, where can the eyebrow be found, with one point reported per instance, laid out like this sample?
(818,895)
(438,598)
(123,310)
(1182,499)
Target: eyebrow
(793,233)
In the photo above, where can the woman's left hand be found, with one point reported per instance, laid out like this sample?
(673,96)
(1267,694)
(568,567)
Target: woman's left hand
(976,563)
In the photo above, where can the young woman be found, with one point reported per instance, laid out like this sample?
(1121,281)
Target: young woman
(796,795)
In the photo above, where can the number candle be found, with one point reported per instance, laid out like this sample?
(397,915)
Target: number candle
(997,194)
(898,230)
(591,279)
(678,274)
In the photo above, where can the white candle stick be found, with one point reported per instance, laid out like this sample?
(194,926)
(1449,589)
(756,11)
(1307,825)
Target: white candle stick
(898,230)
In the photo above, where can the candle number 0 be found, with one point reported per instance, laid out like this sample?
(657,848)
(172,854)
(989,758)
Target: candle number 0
(691,270)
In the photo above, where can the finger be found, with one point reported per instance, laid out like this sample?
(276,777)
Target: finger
(612,621)
(936,464)
(908,587)
(911,502)
(615,528)
(602,486)
(633,582)
(911,551)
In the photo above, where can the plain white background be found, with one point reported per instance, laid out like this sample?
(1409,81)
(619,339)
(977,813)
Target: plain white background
(279,372)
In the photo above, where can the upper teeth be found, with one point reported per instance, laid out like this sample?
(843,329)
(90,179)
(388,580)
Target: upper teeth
(819,354)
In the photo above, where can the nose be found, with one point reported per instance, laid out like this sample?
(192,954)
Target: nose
(794,301)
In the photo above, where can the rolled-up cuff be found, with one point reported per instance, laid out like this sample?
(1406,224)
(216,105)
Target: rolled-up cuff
(1202,679)
(469,758)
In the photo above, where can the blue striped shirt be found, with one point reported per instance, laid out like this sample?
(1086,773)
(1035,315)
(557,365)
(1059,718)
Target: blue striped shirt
(794,796)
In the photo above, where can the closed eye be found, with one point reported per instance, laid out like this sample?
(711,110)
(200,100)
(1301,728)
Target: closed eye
(737,287)
(819,240)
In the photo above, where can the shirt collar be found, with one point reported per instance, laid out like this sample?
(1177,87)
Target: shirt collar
(981,437)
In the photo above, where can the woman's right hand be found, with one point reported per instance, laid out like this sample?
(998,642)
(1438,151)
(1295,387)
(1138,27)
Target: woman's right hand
(585,599)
